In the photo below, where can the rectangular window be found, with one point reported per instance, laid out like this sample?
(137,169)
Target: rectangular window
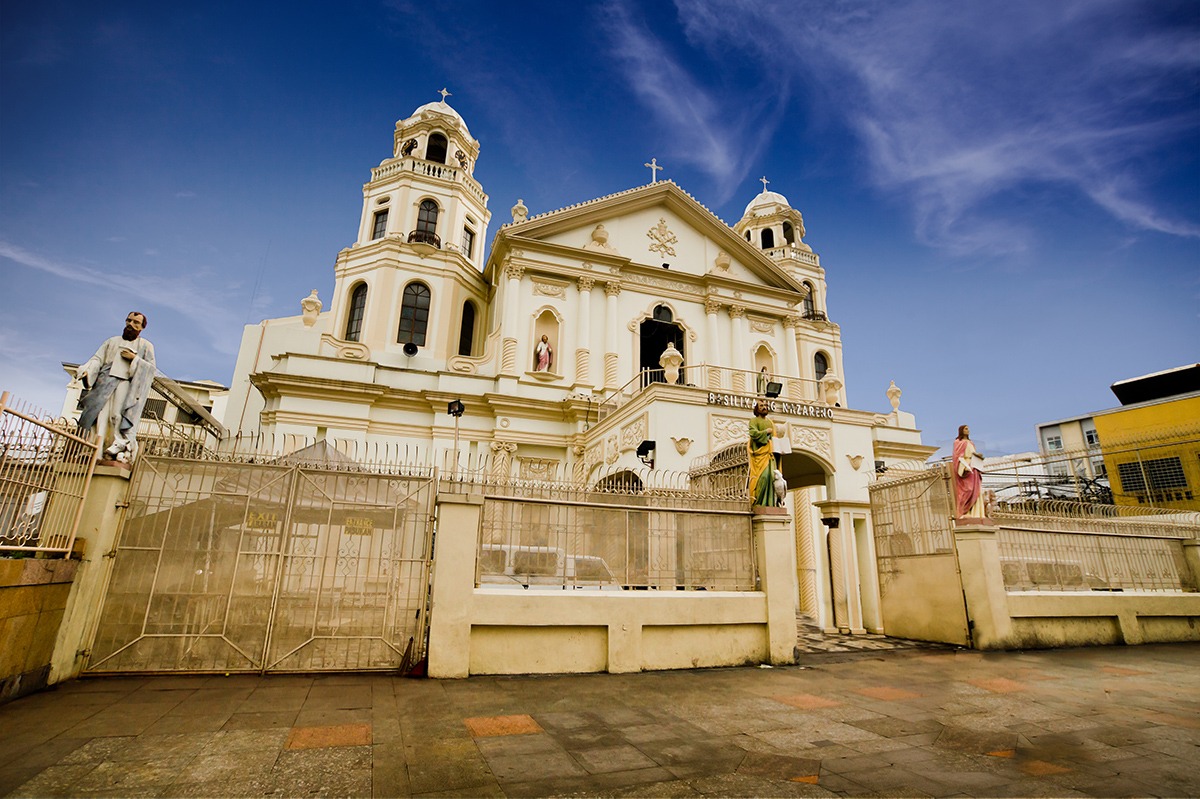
(468,243)
(380,224)
(1092,438)
(1163,474)
(1053,442)
(155,409)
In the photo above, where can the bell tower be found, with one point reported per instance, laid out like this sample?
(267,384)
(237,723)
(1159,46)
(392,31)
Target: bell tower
(410,290)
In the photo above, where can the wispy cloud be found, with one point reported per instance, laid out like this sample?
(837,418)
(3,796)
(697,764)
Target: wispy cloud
(954,108)
(703,127)
(206,307)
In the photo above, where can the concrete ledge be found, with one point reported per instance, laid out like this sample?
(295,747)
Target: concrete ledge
(1066,618)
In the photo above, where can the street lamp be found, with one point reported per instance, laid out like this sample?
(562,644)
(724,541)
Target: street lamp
(456,409)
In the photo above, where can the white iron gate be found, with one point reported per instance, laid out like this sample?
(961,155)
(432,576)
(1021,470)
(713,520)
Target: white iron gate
(224,567)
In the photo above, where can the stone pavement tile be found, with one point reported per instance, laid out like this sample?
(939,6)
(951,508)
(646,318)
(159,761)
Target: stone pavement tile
(232,788)
(229,741)
(591,738)
(276,697)
(623,716)
(887,693)
(806,701)
(97,750)
(385,726)
(730,724)
(661,732)
(54,781)
(999,685)
(324,697)
(329,737)
(330,717)
(389,770)
(489,790)
(745,785)
(841,785)
(1029,787)
(779,767)
(524,767)
(693,758)
(116,721)
(566,720)
(889,780)
(110,775)
(340,771)
(606,759)
(897,728)
(261,721)
(227,765)
(1114,735)
(445,766)
(964,739)
(488,726)
(784,741)
(666,789)
(199,722)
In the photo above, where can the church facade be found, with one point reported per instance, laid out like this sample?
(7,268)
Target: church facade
(626,335)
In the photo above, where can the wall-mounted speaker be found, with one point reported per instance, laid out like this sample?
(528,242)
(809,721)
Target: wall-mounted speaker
(410,349)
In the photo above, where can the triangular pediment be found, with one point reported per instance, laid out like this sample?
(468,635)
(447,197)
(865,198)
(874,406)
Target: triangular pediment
(658,226)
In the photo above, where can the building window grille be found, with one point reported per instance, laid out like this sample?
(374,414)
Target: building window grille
(380,227)
(358,309)
(414,314)
(155,409)
(1165,476)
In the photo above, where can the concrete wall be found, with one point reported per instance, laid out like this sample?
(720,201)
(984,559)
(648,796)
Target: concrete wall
(491,630)
(33,597)
(1041,619)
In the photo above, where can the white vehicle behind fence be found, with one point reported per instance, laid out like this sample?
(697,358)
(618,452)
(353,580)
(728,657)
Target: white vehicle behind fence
(543,568)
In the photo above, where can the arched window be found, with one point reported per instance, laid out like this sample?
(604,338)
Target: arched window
(663,314)
(358,309)
(427,217)
(789,233)
(435,150)
(466,335)
(820,365)
(808,304)
(414,314)
(747,235)
(768,238)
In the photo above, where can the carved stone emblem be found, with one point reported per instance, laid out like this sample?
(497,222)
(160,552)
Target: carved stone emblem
(661,238)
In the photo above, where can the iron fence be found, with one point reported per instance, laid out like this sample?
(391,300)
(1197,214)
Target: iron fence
(46,467)
(1035,560)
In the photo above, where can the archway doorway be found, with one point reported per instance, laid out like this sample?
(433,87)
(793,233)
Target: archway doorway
(656,332)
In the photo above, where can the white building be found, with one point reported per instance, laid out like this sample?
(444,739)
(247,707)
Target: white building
(418,319)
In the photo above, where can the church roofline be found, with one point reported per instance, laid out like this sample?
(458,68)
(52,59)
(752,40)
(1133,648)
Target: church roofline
(663,188)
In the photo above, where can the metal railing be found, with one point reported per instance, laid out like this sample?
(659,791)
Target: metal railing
(722,379)
(1035,560)
(46,468)
(424,237)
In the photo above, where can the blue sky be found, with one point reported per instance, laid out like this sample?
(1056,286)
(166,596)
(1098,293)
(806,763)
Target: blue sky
(1005,196)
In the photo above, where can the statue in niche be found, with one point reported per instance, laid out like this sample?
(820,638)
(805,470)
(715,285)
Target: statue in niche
(116,382)
(762,458)
(762,380)
(968,480)
(543,355)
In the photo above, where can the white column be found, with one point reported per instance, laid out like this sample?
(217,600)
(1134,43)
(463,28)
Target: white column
(713,348)
(583,352)
(791,361)
(509,333)
(611,357)
(738,360)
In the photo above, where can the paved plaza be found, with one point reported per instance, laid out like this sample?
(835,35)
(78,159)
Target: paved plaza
(1114,721)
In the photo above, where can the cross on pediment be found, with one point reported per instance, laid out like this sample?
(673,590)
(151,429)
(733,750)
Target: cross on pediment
(445,94)
(654,167)
(764,181)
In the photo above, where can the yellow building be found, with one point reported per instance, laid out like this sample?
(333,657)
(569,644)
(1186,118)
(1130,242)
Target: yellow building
(1152,442)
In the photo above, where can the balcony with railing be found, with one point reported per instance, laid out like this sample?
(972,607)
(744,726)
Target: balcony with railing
(430,169)
(424,237)
(740,386)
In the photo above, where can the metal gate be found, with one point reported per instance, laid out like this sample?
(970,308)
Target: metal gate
(256,567)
